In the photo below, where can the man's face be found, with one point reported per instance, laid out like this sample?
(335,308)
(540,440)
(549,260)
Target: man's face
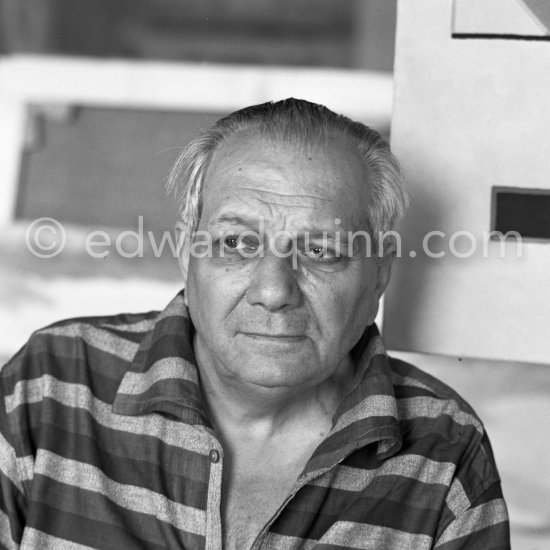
(282,309)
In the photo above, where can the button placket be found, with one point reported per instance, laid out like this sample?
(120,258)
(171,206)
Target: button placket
(213,505)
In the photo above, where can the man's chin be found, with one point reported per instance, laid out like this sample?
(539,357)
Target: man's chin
(272,371)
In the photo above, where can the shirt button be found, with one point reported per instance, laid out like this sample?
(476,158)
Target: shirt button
(214,456)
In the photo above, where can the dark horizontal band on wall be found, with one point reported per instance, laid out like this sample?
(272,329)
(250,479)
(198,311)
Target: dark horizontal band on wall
(477,36)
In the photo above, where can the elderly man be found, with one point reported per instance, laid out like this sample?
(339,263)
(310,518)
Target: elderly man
(259,409)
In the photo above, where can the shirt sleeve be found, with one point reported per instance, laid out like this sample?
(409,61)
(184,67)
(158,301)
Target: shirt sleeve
(16,448)
(481,524)
(12,497)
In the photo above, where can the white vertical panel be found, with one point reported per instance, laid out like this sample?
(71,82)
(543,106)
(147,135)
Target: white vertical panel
(469,114)
(12,132)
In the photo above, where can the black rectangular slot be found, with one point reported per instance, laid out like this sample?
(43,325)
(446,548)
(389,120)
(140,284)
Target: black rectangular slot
(526,211)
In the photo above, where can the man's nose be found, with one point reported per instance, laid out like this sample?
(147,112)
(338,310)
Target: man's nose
(274,284)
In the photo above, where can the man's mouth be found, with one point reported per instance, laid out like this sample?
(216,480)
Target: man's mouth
(281,338)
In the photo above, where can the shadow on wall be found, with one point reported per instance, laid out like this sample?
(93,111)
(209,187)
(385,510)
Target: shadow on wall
(407,295)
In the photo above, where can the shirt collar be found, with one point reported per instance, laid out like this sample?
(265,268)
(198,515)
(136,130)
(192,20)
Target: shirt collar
(367,416)
(164,378)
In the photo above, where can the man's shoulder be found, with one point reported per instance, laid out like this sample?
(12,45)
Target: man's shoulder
(440,425)
(78,349)
(428,403)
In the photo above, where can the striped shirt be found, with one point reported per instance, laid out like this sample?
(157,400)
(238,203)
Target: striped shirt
(105,443)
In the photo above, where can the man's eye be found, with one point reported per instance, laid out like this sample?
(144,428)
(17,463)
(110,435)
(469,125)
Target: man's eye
(317,252)
(231,242)
(242,245)
(320,253)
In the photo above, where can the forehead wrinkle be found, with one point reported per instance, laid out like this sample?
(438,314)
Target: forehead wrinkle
(286,195)
(273,204)
(272,199)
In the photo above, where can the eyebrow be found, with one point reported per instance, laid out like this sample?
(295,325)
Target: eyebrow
(330,236)
(233,219)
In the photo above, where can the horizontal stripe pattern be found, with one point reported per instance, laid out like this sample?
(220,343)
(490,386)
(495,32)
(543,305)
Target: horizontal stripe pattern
(477,528)
(39,539)
(8,464)
(101,339)
(383,404)
(138,499)
(430,407)
(169,367)
(412,466)
(457,499)
(105,442)
(373,537)
(6,540)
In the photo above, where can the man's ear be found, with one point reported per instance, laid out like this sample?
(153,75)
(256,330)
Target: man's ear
(385,262)
(183,235)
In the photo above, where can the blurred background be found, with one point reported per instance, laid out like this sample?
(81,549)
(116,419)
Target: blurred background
(320,33)
(85,152)
(98,98)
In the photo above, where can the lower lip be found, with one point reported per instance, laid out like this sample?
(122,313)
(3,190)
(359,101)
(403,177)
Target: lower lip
(282,340)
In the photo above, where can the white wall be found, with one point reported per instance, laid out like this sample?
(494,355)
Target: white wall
(469,114)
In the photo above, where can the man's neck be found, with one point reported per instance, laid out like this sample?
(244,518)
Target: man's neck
(238,408)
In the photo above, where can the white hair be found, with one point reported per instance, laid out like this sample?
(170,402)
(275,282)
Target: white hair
(301,122)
